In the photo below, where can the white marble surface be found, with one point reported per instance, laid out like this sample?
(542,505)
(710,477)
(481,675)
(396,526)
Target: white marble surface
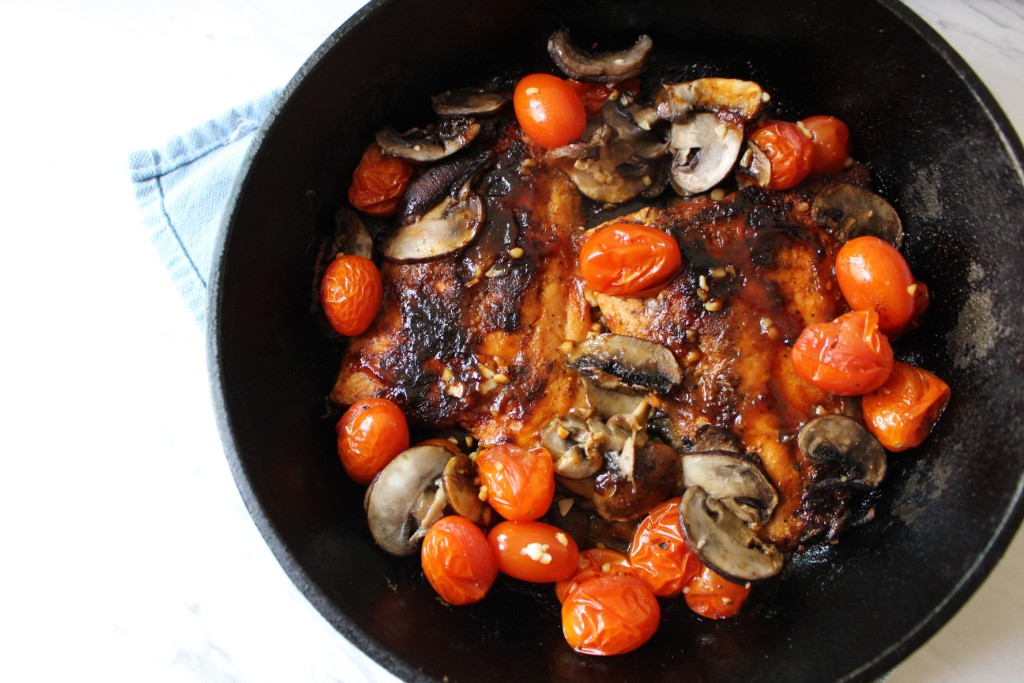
(127,552)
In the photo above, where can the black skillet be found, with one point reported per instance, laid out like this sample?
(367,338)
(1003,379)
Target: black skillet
(940,151)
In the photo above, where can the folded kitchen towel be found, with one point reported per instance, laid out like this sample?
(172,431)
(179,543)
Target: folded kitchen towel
(183,187)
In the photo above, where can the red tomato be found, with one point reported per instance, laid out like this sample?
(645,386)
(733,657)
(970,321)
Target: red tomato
(610,615)
(629,259)
(549,110)
(659,554)
(831,140)
(378,182)
(458,561)
(789,152)
(874,276)
(520,483)
(847,356)
(902,411)
(595,94)
(593,562)
(351,293)
(371,434)
(714,597)
(534,551)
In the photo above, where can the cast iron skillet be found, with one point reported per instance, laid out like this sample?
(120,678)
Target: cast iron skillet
(940,151)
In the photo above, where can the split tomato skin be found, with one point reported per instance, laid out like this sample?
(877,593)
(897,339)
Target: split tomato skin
(659,554)
(549,110)
(520,483)
(629,259)
(458,561)
(371,434)
(379,182)
(610,615)
(789,151)
(848,356)
(715,597)
(902,412)
(351,293)
(873,275)
(535,552)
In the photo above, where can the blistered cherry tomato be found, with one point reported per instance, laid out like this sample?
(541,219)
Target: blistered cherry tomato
(520,483)
(831,140)
(379,182)
(594,95)
(549,110)
(610,615)
(593,562)
(873,275)
(371,433)
(534,551)
(847,356)
(902,411)
(628,259)
(458,561)
(714,597)
(659,554)
(351,293)
(789,152)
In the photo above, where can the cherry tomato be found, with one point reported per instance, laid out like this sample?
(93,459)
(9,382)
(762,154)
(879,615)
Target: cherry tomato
(371,433)
(520,483)
(610,615)
(534,551)
(902,411)
(458,561)
(831,140)
(714,597)
(595,94)
(549,110)
(873,275)
(379,182)
(351,293)
(659,554)
(593,562)
(847,356)
(629,259)
(789,152)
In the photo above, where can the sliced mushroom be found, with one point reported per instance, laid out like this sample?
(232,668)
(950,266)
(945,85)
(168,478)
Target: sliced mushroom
(467,101)
(573,446)
(606,67)
(462,488)
(848,454)
(738,482)
(704,151)
(448,227)
(754,167)
(723,541)
(605,168)
(676,101)
(655,477)
(406,498)
(622,363)
(847,211)
(711,437)
(424,146)
(608,402)
(636,125)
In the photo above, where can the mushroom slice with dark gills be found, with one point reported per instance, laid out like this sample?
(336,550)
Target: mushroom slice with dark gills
(623,363)
(847,211)
(639,126)
(737,481)
(469,101)
(753,167)
(448,227)
(704,151)
(676,101)
(406,498)
(847,454)
(575,446)
(462,488)
(605,168)
(723,541)
(427,145)
(606,67)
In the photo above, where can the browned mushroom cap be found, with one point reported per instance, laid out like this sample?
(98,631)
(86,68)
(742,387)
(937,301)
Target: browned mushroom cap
(424,146)
(605,168)
(847,452)
(462,487)
(447,227)
(847,211)
(406,498)
(623,363)
(738,482)
(676,101)
(606,67)
(655,477)
(466,101)
(704,152)
(723,541)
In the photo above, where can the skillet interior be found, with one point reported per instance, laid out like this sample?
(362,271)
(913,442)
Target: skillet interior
(941,152)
